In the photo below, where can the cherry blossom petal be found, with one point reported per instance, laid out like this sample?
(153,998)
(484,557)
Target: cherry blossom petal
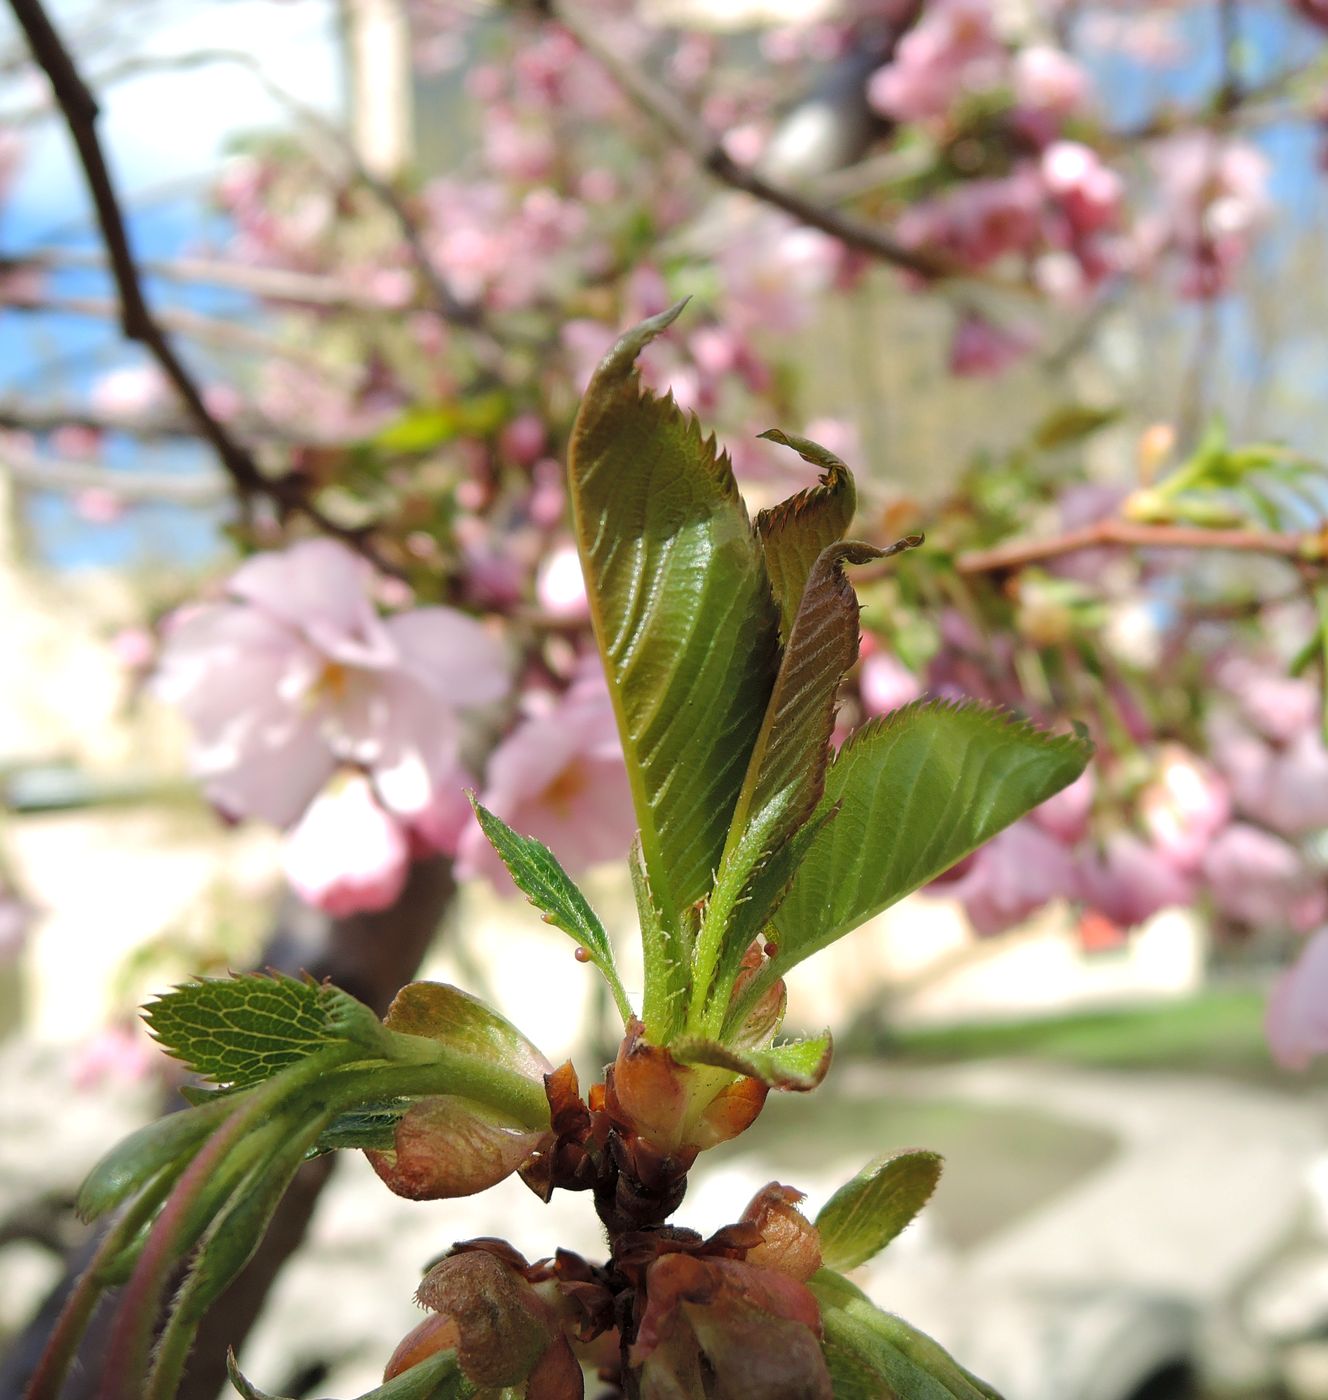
(1297,1019)
(452,655)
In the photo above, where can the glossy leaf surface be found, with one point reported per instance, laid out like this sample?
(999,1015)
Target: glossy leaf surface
(916,791)
(682,611)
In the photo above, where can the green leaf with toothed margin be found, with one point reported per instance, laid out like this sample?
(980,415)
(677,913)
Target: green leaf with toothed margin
(799,1065)
(242,1030)
(537,874)
(865,1214)
(874,1355)
(794,532)
(916,791)
(786,774)
(682,611)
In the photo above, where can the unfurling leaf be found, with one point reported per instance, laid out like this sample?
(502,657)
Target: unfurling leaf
(916,791)
(242,1030)
(785,775)
(799,1065)
(873,1355)
(448,1145)
(865,1214)
(796,530)
(536,872)
(682,611)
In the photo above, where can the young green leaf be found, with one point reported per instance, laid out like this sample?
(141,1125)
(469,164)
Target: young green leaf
(865,1214)
(873,1355)
(916,791)
(537,874)
(242,1030)
(795,531)
(682,612)
(437,1378)
(799,1065)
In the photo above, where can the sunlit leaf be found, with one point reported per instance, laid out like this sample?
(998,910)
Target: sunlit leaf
(682,611)
(865,1214)
(536,872)
(242,1030)
(873,1355)
(916,791)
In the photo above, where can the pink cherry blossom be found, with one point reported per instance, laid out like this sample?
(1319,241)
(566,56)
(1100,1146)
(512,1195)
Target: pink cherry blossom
(1184,807)
(953,49)
(1297,1020)
(1129,880)
(1013,876)
(129,392)
(980,347)
(885,683)
(1278,705)
(1047,80)
(346,854)
(1065,815)
(1294,795)
(295,675)
(1261,880)
(560,585)
(560,777)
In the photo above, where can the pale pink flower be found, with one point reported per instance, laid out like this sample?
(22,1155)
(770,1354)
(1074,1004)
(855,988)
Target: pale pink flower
(523,439)
(560,777)
(1297,1020)
(296,675)
(129,392)
(560,585)
(1130,881)
(1294,796)
(134,648)
(954,49)
(98,506)
(1065,814)
(119,1053)
(1278,705)
(885,683)
(1184,807)
(980,347)
(346,854)
(77,441)
(1046,79)
(1261,880)
(1013,876)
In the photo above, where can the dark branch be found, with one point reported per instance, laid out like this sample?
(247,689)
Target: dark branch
(80,111)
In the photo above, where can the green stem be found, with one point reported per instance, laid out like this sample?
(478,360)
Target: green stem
(243,1221)
(446,1072)
(178,1224)
(62,1344)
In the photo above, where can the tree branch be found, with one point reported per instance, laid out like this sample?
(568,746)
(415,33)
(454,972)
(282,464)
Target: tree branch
(663,110)
(1299,547)
(139,324)
(44,473)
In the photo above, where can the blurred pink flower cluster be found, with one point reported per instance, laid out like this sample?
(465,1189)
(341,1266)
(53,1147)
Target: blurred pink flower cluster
(311,711)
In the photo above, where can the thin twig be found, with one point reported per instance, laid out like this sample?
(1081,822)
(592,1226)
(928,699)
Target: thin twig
(1301,546)
(80,111)
(663,110)
(155,424)
(42,473)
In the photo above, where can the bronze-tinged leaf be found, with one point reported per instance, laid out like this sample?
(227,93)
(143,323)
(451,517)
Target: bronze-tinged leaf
(790,1243)
(464,1023)
(682,611)
(796,530)
(447,1146)
(785,778)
